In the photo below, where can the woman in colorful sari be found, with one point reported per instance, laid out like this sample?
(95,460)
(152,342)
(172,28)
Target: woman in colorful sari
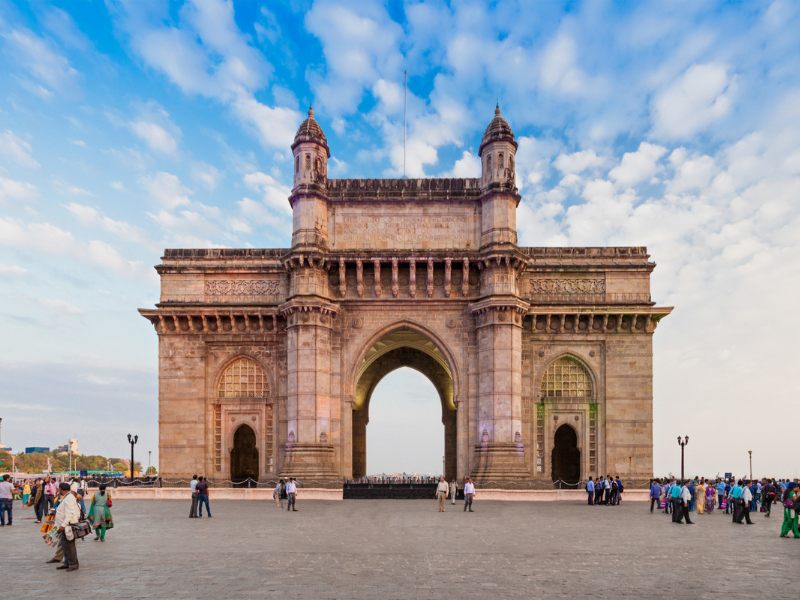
(790,504)
(100,513)
(700,494)
(710,498)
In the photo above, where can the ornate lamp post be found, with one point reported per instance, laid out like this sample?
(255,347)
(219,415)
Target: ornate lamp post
(750,454)
(682,442)
(132,439)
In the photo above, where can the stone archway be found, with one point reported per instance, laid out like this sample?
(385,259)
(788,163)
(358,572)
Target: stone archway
(566,457)
(411,348)
(244,456)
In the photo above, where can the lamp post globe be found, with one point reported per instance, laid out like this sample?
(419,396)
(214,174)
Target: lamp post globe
(132,439)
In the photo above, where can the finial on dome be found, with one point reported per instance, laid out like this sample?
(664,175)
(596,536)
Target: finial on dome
(497,108)
(310,111)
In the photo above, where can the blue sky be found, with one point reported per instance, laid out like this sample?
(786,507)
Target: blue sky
(127,127)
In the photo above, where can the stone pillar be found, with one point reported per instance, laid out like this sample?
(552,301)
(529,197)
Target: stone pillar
(500,452)
(360,420)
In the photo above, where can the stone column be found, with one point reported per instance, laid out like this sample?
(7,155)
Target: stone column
(500,452)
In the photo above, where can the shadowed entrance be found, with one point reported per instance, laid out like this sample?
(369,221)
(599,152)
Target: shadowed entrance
(403,348)
(566,456)
(244,456)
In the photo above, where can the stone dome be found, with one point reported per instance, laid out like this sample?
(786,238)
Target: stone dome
(310,131)
(497,131)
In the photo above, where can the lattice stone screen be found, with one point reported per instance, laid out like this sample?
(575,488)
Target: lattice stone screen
(243,378)
(566,378)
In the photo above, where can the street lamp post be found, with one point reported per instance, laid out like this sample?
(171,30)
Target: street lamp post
(682,442)
(750,454)
(149,456)
(132,439)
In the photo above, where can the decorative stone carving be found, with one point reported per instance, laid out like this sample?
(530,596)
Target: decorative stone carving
(567,286)
(243,287)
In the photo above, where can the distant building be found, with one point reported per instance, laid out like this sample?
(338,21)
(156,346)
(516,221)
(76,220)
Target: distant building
(71,446)
(5,448)
(35,449)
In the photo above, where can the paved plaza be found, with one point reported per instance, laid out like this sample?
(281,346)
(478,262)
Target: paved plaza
(405,549)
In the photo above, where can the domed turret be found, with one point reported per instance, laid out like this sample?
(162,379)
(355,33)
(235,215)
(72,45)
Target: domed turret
(497,151)
(311,153)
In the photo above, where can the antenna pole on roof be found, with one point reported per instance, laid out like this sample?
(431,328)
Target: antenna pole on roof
(405,106)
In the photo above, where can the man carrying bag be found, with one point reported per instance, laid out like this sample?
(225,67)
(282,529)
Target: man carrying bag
(68,514)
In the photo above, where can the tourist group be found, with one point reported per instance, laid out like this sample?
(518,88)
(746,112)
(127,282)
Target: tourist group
(61,509)
(736,497)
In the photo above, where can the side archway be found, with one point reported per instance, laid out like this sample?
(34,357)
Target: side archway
(566,421)
(243,420)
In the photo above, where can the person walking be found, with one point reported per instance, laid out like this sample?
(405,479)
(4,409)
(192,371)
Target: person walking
(40,501)
(469,494)
(736,499)
(590,491)
(746,499)
(7,491)
(291,495)
(278,493)
(790,505)
(202,496)
(441,492)
(100,513)
(26,492)
(675,499)
(655,493)
(683,505)
(453,491)
(67,514)
(193,488)
(700,497)
(50,490)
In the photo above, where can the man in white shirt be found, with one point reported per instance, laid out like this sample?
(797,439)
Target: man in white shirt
(291,494)
(453,491)
(686,498)
(441,492)
(746,498)
(193,487)
(469,494)
(67,514)
(7,491)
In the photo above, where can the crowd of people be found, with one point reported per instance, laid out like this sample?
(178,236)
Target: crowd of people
(60,508)
(738,498)
(606,491)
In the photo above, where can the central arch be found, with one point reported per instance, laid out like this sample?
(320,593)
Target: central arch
(403,346)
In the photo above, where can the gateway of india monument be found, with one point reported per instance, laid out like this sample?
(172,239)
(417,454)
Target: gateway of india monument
(542,357)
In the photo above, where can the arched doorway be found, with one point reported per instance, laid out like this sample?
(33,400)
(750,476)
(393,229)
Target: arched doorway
(403,347)
(566,458)
(244,457)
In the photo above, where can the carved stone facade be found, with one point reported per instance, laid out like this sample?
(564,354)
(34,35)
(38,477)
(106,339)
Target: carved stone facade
(542,357)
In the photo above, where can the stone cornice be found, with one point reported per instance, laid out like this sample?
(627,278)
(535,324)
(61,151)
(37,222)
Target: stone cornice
(403,190)
(597,319)
(204,320)
(501,303)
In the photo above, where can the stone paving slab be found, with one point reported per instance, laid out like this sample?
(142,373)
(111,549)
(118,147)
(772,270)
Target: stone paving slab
(405,549)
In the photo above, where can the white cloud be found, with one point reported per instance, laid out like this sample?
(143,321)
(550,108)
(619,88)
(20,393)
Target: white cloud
(49,239)
(59,307)
(17,150)
(275,195)
(13,190)
(36,57)
(469,165)
(578,162)
(166,189)
(638,166)
(208,55)
(206,174)
(558,69)
(12,270)
(702,95)
(60,24)
(360,44)
(88,215)
(155,136)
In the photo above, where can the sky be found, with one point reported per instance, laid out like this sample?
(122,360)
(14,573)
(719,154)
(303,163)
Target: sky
(128,127)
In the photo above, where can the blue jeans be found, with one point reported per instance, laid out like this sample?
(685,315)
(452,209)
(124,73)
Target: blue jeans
(5,507)
(201,500)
